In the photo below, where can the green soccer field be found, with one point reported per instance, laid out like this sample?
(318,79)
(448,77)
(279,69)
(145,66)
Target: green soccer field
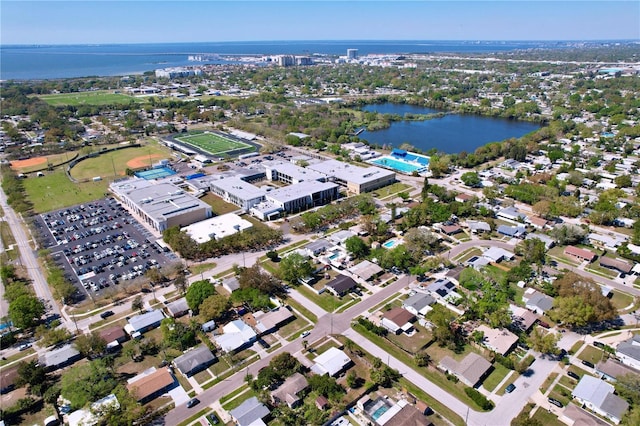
(212,143)
(89,98)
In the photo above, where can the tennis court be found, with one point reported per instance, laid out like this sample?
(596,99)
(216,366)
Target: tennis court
(158,173)
(212,143)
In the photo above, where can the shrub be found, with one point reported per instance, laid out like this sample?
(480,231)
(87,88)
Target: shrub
(479,399)
(369,326)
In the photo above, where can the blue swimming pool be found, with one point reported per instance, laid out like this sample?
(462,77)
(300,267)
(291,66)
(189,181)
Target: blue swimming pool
(391,243)
(334,256)
(379,412)
(401,166)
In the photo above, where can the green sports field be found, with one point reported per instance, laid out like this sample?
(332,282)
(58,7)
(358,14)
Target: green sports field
(89,98)
(212,143)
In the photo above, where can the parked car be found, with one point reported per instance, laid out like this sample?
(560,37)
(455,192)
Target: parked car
(106,314)
(510,388)
(305,334)
(193,402)
(555,402)
(573,375)
(588,364)
(24,346)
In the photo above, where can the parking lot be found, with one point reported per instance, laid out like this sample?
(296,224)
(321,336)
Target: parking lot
(100,244)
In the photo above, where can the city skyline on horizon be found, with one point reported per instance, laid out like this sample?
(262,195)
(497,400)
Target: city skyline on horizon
(143,22)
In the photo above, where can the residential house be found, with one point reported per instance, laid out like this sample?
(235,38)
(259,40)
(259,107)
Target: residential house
(496,254)
(209,326)
(398,320)
(322,403)
(331,362)
(611,369)
(450,229)
(478,262)
(511,214)
(499,341)
(194,360)
(8,379)
(92,416)
(471,370)
(419,304)
(628,352)
(150,384)
(236,335)
(548,241)
(617,264)
(403,414)
(477,227)
(289,391)
(598,395)
(574,415)
(340,237)
(59,358)
(607,242)
(462,197)
(317,247)
(512,231)
(537,302)
(178,308)
(580,253)
(522,318)
(142,323)
(231,284)
(538,222)
(443,289)
(270,321)
(366,270)
(114,336)
(341,285)
(250,413)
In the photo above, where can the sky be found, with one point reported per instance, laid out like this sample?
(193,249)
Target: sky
(152,21)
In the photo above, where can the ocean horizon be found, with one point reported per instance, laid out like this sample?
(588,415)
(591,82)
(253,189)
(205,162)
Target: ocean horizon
(55,61)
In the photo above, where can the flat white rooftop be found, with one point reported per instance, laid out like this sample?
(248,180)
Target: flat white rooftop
(349,172)
(295,172)
(300,190)
(217,227)
(238,187)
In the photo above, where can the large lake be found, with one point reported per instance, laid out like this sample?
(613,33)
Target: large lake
(452,133)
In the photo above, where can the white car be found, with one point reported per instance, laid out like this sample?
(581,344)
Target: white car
(305,334)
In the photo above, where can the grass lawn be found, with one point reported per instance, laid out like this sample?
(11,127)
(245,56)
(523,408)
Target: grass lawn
(545,418)
(326,300)
(591,354)
(55,191)
(390,190)
(202,267)
(579,371)
(557,252)
(388,300)
(218,205)
(202,376)
(100,97)
(499,275)
(412,343)
(561,393)
(105,165)
(568,382)
(301,309)
(235,402)
(467,254)
(24,356)
(577,345)
(547,382)
(7,240)
(440,409)
(621,300)
(293,327)
(497,375)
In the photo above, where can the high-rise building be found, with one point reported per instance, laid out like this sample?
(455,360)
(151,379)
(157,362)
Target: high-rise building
(352,53)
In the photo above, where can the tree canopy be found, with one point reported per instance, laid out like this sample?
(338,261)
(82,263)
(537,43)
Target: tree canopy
(294,267)
(580,301)
(197,292)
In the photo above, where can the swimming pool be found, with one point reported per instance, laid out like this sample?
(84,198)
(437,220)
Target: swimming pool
(379,412)
(391,243)
(334,256)
(401,166)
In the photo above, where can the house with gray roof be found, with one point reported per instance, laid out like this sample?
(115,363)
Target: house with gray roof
(178,308)
(547,240)
(290,390)
(267,322)
(537,302)
(479,226)
(341,285)
(59,358)
(366,270)
(314,248)
(496,254)
(471,370)
(511,214)
(250,412)
(611,369)
(419,304)
(512,231)
(628,352)
(142,323)
(194,360)
(598,395)
(443,289)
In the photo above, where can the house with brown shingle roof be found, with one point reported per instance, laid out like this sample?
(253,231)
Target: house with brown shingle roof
(397,320)
(617,264)
(150,385)
(289,391)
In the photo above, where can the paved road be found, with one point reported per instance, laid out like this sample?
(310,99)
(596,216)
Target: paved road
(29,259)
